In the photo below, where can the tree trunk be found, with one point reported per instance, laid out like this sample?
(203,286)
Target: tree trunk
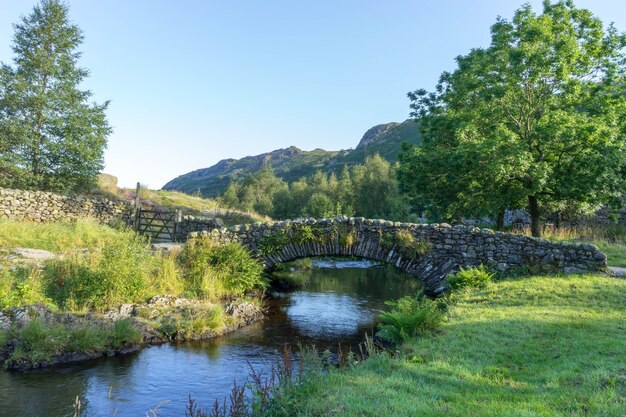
(533,208)
(558,219)
(500,220)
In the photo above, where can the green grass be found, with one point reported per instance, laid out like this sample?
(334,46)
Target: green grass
(55,237)
(539,346)
(37,341)
(615,253)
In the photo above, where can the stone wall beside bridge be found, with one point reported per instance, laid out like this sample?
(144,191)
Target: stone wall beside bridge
(427,251)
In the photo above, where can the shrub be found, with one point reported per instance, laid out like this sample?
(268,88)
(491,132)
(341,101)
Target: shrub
(273,243)
(409,247)
(214,270)
(473,277)
(405,243)
(115,274)
(239,271)
(410,317)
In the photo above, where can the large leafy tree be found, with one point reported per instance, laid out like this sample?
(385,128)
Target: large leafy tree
(534,120)
(51,136)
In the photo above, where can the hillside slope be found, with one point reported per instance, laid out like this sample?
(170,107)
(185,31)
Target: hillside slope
(292,163)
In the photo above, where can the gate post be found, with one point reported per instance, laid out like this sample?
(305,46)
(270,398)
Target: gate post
(137,205)
(177,219)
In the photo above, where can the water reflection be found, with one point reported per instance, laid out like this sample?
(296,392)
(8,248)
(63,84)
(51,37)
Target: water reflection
(336,305)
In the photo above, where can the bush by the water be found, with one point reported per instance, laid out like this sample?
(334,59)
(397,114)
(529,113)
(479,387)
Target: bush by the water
(213,270)
(410,317)
(122,271)
(473,277)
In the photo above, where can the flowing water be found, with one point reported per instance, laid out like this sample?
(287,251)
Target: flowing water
(339,303)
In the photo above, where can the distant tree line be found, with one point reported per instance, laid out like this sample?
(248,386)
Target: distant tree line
(368,190)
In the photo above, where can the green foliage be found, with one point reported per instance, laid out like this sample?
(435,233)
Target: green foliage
(410,317)
(533,120)
(52,137)
(346,236)
(298,234)
(386,240)
(240,272)
(5,338)
(410,247)
(124,332)
(255,192)
(88,339)
(37,342)
(21,286)
(404,242)
(473,277)
(198,321)
(306,233)
(214,270)
(115,274)
(273,243)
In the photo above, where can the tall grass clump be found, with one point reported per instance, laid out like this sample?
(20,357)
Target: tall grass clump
(123,332)
(21,286)
(5,338)
(214,271)
(115,274)
(473,277)
(410,317)
(410,247)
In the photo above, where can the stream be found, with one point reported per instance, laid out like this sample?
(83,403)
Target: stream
(339,303)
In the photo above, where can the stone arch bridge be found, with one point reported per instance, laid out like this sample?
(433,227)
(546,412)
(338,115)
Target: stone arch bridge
(428,251)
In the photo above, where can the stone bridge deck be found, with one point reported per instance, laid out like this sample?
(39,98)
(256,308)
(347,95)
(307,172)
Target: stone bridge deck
(428,251)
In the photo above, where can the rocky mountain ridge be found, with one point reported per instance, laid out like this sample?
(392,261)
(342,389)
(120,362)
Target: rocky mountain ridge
(292,163)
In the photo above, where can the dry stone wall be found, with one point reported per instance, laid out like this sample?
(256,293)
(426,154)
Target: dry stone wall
(190,224)
(40,206)
(442,248)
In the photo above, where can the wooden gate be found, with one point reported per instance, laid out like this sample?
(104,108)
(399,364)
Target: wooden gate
(159,225)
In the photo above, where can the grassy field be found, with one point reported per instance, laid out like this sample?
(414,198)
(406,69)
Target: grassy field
(615,253)
(539,346)
(55,237)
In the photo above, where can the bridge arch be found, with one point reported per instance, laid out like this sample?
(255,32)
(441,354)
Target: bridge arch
(427,251)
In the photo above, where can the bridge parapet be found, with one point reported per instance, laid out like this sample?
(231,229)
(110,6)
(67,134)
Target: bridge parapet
(427,251)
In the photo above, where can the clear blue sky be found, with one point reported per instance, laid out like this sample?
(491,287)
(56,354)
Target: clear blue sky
(192,82)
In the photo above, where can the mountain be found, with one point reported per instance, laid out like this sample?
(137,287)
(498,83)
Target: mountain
(292,163)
